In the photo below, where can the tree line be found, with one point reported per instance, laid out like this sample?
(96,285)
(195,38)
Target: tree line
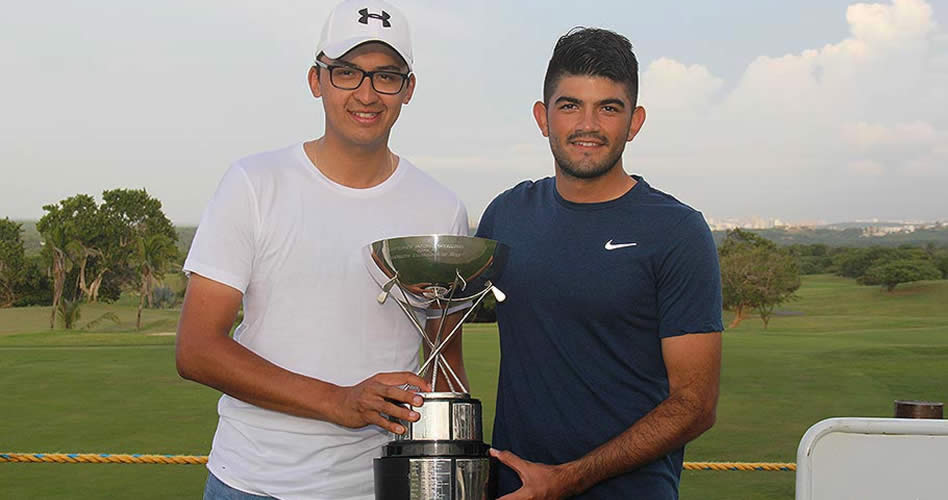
(91,252)
(848,235)
(876,265)
(758,275)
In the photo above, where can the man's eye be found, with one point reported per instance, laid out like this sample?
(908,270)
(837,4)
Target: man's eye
(610,109)
(568,105)
(345,72)
(385,77)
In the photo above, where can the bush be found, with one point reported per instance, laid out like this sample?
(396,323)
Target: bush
(162,297)
(942,264)
(856,261)
(35,289)
(69,312)
(890,274)
(813,264)
(486,312)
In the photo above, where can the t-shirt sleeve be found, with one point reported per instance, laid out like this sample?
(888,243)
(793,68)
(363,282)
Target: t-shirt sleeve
(461,226)
(223,246)
(689,281)
(485,228)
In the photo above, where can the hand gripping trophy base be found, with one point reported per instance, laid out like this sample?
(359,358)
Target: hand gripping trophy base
(442,455)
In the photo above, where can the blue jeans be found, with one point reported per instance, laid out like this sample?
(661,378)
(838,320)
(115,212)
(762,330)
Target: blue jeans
(217,490)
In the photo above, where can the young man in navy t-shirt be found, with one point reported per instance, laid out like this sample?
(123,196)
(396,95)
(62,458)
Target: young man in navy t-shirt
(610,335)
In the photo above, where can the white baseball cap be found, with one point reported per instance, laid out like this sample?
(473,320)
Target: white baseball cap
(355,22)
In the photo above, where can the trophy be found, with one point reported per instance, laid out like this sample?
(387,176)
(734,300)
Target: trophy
(442,455)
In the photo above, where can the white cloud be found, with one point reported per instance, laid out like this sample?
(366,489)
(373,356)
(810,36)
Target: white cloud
(900,21)
(844,115)
(879,63)
(106,94)
(670,85)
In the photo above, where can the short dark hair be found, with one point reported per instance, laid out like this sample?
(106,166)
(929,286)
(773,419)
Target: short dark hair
(593,52)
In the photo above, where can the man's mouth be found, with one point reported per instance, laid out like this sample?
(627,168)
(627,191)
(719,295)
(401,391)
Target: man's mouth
(365,116)
(587,141)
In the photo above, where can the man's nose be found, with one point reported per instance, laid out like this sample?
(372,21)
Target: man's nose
(365,94)
(589,120)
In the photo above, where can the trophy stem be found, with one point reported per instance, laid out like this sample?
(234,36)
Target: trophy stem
(480,297)
(440,330)
(436,350)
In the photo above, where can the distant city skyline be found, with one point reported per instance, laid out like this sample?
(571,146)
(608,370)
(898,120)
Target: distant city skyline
(816,110)
(762,222)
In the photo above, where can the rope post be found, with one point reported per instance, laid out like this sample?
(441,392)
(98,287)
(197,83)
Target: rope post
(919,409)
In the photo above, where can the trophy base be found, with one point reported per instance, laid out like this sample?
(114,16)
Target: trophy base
(440,456)
(445,416)
(435,478)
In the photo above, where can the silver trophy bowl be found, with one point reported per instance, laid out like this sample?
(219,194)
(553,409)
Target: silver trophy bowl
(438,268)
(442,455)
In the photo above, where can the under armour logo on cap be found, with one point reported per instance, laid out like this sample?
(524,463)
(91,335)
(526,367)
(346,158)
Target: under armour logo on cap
(384,17)
(354,22)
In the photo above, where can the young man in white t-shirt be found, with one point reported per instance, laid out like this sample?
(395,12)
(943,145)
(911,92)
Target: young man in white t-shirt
(316,361)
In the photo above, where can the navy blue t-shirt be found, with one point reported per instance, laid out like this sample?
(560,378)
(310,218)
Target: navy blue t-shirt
(592,288)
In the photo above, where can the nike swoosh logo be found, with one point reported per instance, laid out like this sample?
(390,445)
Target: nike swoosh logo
(615,246)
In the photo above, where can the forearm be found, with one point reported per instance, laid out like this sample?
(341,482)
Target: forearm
(455,359)
(674,422)
(222,363)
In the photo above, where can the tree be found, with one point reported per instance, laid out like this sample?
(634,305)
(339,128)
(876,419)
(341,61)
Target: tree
(854,262)
(153,254)
(779,279)
(69,312)
(890,274)
(142,238)
(12,261)
(88,233)
(755,274)
(738,266)
(56,230)
(34,289)
(812,259)
(74,235)
(942,263)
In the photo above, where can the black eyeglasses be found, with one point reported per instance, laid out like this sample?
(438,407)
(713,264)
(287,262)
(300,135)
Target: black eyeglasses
(349,78)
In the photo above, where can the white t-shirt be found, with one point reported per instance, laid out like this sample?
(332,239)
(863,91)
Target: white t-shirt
(292,241)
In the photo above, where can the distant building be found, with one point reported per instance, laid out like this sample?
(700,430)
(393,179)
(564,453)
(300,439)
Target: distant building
(877,231)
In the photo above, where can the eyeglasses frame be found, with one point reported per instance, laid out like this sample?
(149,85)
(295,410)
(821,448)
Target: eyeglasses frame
(365,74)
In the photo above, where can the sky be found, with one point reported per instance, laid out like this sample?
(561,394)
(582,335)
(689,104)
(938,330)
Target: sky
(811,110)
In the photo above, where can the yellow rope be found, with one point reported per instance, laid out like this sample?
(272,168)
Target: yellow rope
(113,458)
(741,466)
(100,458)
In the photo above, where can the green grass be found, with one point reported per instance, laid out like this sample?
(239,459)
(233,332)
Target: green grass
(840,350)
(63,396)
(852,352)
(17,321)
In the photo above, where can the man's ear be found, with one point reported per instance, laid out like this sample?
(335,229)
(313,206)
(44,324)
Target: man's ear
(313,78)
(410,91)
(638,119)
(539,114)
